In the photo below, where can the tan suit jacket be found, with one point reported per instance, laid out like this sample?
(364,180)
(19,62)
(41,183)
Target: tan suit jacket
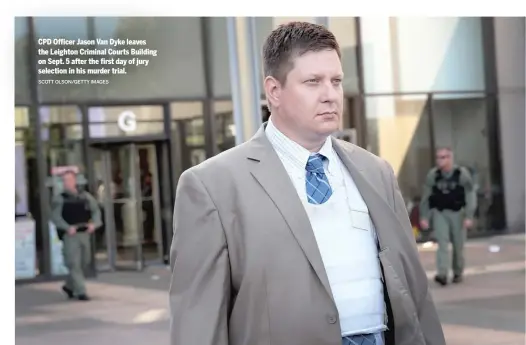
(246,266)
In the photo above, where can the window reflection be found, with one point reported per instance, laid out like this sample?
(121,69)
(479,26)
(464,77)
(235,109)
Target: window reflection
(225,127)
(399,131)
(344,29)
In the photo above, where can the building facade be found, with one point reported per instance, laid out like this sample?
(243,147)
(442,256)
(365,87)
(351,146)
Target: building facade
(411,85)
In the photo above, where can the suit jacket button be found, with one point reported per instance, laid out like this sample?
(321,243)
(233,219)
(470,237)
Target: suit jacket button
(332,319)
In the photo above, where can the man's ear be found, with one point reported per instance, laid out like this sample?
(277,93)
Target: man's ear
(272,91)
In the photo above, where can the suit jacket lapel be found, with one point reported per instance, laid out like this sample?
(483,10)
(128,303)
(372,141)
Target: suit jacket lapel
(273,178)
(381,213)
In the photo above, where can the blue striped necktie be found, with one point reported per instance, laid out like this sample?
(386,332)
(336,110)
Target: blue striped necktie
(318,188)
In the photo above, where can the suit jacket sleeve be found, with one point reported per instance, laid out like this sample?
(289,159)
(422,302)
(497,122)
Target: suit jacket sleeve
(427,314)
(200,286)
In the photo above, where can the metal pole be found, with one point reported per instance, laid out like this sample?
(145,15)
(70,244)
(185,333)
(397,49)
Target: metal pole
(209,115)
(255,70)
(235,79)
(430,109)
(361,81)
(36,123)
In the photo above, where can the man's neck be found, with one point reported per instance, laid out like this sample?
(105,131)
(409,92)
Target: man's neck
(311,146)
(447,169)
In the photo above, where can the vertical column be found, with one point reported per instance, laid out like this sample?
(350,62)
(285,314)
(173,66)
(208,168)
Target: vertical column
(430,110)
(492,125)
(364,137)
(36,125)
(244,76)
(209,116)
(510,56)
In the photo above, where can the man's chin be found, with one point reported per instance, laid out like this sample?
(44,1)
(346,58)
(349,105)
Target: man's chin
(328,128)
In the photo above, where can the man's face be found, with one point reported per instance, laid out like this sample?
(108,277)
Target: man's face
(70,182)
(444,159)
(311,101)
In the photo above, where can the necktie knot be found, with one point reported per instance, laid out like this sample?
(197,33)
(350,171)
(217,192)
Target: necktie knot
(315,163)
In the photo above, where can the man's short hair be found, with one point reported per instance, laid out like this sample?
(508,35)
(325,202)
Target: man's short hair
(291,40)
(444,148)
(68,172)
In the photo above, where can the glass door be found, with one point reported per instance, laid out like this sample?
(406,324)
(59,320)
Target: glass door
(128,191)
(103,239)
(119,192)
(126,207)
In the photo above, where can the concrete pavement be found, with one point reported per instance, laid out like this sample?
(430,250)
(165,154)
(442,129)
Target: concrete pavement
(131,308)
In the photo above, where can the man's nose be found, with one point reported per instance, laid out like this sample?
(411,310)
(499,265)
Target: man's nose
(329,92)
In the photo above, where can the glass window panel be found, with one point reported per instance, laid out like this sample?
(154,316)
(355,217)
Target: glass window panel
(404,54)
(220,58)
(21,117)
(344,28)
(68,28)
(188,134)
(190,115)
(225,127)
(186,110)
(398,131)
(171,56)
(63,114)
(176,71)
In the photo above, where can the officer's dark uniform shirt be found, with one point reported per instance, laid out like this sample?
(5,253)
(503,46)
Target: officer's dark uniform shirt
(75,209)
(448,191)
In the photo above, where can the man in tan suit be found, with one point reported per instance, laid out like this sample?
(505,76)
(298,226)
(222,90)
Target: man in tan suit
(294,237)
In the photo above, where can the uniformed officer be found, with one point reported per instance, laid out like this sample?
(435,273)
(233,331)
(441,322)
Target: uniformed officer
(449,200)
(76,215)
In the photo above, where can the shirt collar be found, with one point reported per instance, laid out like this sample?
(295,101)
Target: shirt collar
(294,152)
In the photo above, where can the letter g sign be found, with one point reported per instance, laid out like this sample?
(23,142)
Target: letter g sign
(127,121)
